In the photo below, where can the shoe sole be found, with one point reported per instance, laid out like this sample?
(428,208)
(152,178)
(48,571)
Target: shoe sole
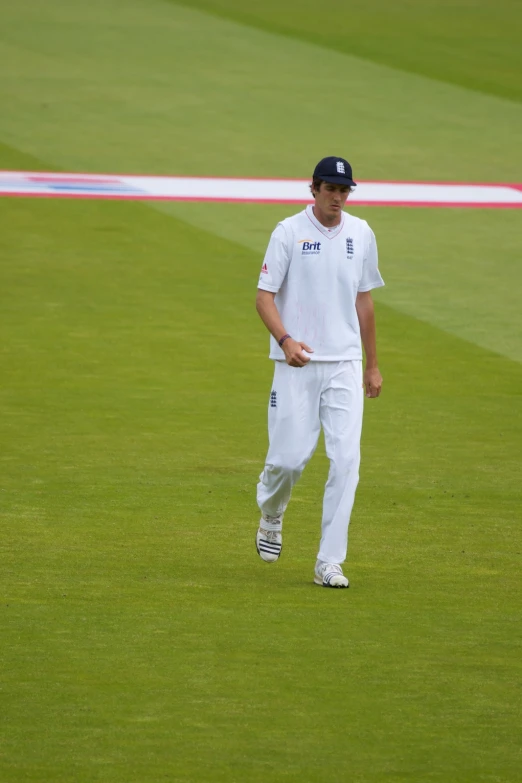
(319,581)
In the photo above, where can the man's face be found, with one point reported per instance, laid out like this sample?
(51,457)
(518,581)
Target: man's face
(330,199)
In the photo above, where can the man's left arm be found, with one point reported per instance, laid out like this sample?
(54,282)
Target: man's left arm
(365,312)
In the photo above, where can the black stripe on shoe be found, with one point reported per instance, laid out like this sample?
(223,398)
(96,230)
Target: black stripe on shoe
(269,547)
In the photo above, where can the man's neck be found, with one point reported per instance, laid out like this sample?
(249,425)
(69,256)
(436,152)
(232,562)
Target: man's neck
(325,221)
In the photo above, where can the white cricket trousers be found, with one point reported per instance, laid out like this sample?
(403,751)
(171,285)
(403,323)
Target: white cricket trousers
(327,394)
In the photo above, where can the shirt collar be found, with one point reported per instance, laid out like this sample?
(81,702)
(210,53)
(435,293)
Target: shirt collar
(328,232)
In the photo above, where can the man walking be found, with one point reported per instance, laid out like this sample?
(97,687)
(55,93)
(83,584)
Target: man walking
(314,297)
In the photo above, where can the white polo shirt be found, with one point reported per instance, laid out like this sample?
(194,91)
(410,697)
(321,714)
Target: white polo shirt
(316,274)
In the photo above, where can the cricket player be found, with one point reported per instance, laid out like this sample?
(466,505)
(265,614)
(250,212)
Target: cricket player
(314,297)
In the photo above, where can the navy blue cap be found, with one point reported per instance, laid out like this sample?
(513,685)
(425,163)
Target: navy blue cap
(336,170)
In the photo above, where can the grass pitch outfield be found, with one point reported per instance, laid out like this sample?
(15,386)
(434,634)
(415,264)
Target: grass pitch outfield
(142,638)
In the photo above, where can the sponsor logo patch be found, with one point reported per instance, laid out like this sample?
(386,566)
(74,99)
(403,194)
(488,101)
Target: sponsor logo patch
(264,269)
(309,247)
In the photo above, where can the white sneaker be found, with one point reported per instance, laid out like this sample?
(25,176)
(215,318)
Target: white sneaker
(330,575)
(269,539)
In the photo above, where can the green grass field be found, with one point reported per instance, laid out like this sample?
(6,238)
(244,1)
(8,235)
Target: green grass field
(141,637)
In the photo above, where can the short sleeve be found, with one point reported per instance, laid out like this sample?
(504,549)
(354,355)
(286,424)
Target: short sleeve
(276,261)
(371,277)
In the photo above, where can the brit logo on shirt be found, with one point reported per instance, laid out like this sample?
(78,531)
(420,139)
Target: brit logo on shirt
(349,248)
(309,247)
(273,399)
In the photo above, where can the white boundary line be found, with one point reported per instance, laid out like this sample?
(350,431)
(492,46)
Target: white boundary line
(275,191)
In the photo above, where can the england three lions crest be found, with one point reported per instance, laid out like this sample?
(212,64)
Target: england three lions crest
(349,248)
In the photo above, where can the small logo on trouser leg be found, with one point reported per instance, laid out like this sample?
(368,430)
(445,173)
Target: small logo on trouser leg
(273,399)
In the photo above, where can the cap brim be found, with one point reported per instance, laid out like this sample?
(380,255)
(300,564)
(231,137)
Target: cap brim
(339,181)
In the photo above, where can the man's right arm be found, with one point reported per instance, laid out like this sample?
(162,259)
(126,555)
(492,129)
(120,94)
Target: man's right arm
(269,314)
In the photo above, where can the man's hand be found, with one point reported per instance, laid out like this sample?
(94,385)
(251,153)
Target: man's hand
(294,352)
(372,380)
